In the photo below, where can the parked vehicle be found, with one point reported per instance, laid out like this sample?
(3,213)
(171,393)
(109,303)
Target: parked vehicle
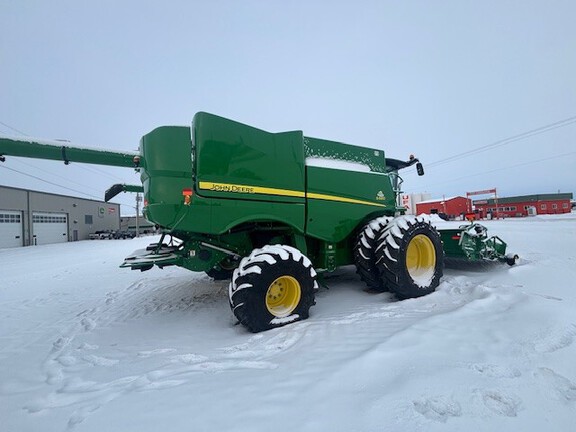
(101,235)
(124,235)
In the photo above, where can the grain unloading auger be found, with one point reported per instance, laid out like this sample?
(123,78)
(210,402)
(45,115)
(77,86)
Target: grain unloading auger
(268,210)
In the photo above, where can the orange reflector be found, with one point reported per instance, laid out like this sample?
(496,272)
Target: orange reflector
(187,196)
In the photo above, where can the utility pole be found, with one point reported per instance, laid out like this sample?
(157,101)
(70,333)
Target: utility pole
(138,199)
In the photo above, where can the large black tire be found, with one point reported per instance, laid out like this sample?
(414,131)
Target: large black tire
(272,287)
(365,256)
(410,256)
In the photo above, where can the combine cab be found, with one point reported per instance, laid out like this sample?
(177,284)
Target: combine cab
(270,210)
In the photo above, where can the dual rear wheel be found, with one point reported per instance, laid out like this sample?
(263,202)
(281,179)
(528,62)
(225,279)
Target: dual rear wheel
(405,257)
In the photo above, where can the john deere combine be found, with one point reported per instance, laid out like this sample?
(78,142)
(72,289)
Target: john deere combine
(269,210)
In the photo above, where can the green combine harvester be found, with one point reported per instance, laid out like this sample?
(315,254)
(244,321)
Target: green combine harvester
(270,210)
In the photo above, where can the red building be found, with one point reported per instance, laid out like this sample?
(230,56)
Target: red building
(452,207)
(526,205)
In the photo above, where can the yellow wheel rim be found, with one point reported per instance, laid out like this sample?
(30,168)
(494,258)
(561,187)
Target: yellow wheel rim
(283,296)
(420,257)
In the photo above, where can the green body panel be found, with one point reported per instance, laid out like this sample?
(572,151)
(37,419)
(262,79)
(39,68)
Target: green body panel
(60,151)
(166,171)
(234,161)
(339,201)
(227,214)
(170,155)
(451,243)
(218,216)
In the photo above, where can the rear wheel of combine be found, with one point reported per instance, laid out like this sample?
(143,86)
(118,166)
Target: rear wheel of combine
(273,286)
(365,257)
(410,256)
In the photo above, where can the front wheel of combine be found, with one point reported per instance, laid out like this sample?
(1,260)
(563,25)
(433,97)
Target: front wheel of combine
(273,286)
(410,256)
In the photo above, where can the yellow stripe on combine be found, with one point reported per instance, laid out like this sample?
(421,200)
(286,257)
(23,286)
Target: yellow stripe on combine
(342,199)
(246,189)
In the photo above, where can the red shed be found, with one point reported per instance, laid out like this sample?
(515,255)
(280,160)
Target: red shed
(452,207)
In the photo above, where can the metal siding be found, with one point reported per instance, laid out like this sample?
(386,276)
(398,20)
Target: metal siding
(13,199)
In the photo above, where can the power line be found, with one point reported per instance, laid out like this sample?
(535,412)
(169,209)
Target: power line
(14,129)
(63,187)
(102,172)
(514,138)
(51,173)
(49,182)
(506,141)
(507,167)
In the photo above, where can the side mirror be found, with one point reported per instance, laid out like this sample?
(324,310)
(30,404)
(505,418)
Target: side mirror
(420,169)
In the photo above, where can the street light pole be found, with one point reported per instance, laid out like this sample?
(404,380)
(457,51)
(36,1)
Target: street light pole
(138,199)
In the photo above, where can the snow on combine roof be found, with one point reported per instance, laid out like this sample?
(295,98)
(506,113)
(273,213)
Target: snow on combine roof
(339,164)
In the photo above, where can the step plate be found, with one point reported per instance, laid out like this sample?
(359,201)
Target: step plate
(144,259)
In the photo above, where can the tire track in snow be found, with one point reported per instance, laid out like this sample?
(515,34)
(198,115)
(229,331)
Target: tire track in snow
(439,408)
(141,298)
(69,357)
(554,339)
(562,388)
(500,403)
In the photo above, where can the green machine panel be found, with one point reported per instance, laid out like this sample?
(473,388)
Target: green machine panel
(166,171)
(338,201)
(237,161)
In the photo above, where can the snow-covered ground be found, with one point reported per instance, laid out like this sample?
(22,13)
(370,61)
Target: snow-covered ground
(87,346)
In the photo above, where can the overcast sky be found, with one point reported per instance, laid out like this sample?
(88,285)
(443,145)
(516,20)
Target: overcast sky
(438,79)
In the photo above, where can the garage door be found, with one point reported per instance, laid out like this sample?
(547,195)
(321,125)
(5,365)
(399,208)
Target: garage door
(49,228)
(10,229)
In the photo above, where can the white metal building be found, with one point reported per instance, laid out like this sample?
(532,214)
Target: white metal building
(35,218)
(410,200)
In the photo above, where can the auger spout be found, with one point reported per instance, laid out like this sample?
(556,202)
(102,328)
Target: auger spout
(61,151)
